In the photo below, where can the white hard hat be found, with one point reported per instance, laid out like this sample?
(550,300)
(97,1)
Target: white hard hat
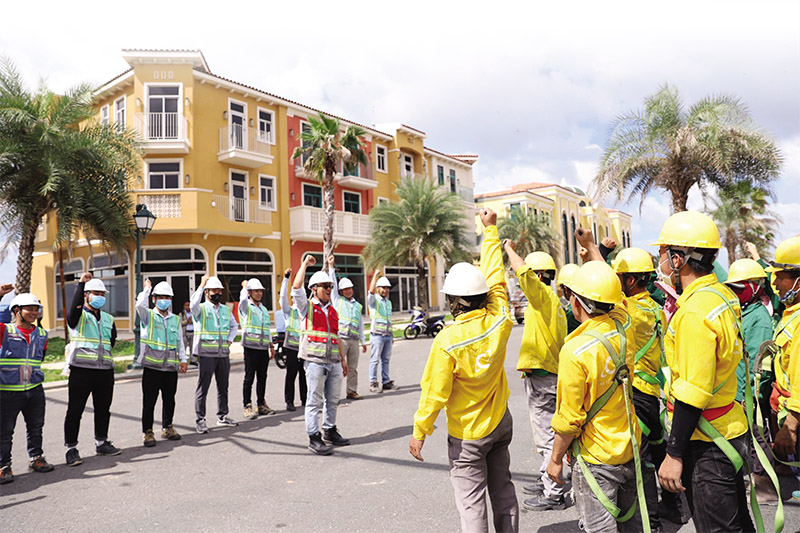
(464,279)
(345,283)
(383,281)
(319,277)
(95,284)
(213,283)
(163,289)
(253,284)
(24,299)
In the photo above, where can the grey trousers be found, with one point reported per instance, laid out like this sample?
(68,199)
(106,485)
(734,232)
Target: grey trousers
(541,391)
(481,467)
(619,484)
(220,369)
(351,348)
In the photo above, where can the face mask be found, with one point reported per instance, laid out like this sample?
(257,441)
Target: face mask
(664,278)
(788,298)
(163,304)
(97,301)
(215,298)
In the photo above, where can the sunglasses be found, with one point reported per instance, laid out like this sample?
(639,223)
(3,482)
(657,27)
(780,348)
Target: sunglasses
(326,286)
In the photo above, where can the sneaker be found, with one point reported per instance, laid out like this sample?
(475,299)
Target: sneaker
(290,407)
(331,436)
(149,439)
(353,396)
(534,489)
(543,503)
(248,412)
(389,385)
(170,433)
(318,446)
(226,421)
(73,457)
(265,410)
(6,475)
(40,464)
(107,449)
(374,387)
(201,427)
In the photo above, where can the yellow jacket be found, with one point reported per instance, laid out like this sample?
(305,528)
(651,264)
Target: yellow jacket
(465,373)
(585,372)
(787,366)
(644,310)
(703,349)
(545,324)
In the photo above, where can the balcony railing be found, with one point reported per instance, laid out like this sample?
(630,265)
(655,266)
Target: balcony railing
(241,210)
(244,146)
(162,205)
(161,126)
(466,193)
(356,171)
(308,223)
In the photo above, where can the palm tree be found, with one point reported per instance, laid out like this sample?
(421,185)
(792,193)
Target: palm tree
(54,160)
(428,221)
(665,146)
(325,150)
(529,233)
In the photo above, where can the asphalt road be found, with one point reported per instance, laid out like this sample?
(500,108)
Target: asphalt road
(260,475)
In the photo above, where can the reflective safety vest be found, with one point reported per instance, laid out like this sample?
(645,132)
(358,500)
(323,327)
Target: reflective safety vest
(293,330)
(381,316)
(213,330)
(349,316)
(160,344)
(319,339)
(21,361)
(255,328)
(783,337)
(91,341)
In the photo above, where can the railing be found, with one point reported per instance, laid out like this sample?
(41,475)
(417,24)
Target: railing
(466,193)
(161,126)
(357,171)
(162,205)
(238,137)
(241,210)
(309,222)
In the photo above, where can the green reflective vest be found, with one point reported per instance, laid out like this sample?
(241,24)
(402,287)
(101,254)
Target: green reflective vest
(212,328)
(349,316)
(293,328)
(255,327)
(91,341)
(381,316)
(160,344)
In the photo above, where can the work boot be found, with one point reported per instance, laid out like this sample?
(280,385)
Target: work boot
(534,489)
(108,449)
(6,475)
(374,387)
(543,503)
(149,439)
(765,490)
(73,457)
(201,427)
(248,412)
(170,433)
(389,385)
(671,508)
(318,446)
(40,464)
(353,395)
(265,410)
(290,407)
(332,437)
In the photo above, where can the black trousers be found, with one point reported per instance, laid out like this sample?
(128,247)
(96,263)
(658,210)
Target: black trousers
(220,369)
(82,383)
(31,404)
(153,383)
(255,369)
(715,491)
(294,367)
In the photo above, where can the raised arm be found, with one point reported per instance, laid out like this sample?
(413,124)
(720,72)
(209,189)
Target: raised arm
(141,303)
(373,283)
(511,250)
(197,297)
(299,278)
(586,239)
(286,309)
(332,274)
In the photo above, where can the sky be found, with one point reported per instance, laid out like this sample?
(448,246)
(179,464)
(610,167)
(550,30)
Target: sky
(531,87)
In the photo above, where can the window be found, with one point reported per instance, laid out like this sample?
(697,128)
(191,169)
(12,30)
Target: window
(265,129)
(565,231)
(452,180)
(383,201)
(440,174)
(535,214)
(162,110)
(113,270)
(119,112)
(163,175)
(408,165)
(514,210)
(72,273)
(305,127)
(104,115)
(235,266)
(380,158)
(352,202)
(574,241)
(266,194)
(312,195)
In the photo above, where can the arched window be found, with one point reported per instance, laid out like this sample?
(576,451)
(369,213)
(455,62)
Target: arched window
(574,241)
(565,229)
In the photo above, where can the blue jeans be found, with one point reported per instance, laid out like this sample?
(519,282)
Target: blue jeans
(31,404)
(381,351)
(324,388)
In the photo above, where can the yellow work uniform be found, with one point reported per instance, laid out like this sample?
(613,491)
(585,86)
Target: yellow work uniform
(545,324)
(787,365)
(703,349)
(585,372)
(644,310)
(465,373)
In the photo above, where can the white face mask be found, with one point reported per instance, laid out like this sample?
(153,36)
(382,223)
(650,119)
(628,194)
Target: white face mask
(666,279)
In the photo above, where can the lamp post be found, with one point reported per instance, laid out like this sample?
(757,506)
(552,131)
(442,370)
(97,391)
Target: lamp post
(144,220)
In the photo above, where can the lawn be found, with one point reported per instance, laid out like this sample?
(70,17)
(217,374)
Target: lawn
(55,349)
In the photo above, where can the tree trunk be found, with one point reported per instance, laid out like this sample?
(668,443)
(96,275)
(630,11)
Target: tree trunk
(731,246)
(25,260)
(679,200)
(63,292)
(422,285)
(328,205)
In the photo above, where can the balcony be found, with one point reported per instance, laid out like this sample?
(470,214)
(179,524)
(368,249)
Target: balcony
(243,146)
(308,223)
(163,133)
(466,193)
(241,210)
(358,177)
(166,204)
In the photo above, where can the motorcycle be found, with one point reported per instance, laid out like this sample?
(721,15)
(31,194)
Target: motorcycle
(421,324)
(280,357)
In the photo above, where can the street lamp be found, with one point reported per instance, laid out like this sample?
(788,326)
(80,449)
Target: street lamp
(144,220)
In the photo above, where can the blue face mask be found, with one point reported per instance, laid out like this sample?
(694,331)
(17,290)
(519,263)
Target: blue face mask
(163,304)
(97,301)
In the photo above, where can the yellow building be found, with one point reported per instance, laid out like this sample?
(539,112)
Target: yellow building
(217,172)
(565,209)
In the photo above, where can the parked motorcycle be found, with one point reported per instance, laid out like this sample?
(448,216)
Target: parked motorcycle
(421,324)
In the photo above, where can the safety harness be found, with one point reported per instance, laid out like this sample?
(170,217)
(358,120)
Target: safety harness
(658,379)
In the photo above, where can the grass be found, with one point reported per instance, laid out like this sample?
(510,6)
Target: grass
(120,367)
(56,345)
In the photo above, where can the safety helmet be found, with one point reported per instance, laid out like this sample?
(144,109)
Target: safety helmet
(540,261)
(23,299)
(163,289)
(254,284)
(743,270)
(95,284)
(383,281)
(319,277)
(566,274)
(787,256)
(598,282)
(213,283)
(632,261)
(464,279)
(345,283)
(689,229)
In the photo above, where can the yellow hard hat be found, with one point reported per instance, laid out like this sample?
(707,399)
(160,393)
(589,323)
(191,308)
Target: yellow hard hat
(690,229)
(632,261)
(598,282)
(744,269)
(566,274)
(540,261)
(787,256)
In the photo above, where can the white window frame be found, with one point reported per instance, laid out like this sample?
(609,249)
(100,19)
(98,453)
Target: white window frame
(105,120)
(120,108)
(403,164)
(170,160)
(244,123)
(147,96)
(231,171)
(379,158)
(452,180)
(271,139)
(382,200)
(267,207)
(360,203)
(303,192)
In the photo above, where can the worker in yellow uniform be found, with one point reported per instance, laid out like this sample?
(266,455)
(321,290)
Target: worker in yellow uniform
(542,338)
(703,348)
(594,416)
(465,375)
(562,280)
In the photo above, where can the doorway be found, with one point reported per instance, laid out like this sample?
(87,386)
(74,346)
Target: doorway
(239,196)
